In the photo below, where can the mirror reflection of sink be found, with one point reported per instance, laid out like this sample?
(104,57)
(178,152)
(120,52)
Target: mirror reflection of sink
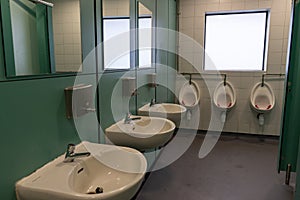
(173,112)
(142,134)
(111,173)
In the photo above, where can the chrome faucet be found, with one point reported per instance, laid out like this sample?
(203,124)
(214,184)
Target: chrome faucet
(70,154)
(128,118)
(152,102)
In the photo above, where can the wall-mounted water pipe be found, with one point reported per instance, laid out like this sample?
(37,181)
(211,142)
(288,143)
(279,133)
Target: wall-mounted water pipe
(266,74)
(211,74)
(225,78)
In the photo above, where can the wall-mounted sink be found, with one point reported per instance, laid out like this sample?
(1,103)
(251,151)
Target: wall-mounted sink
(110,173)
(144,133)
(173,112)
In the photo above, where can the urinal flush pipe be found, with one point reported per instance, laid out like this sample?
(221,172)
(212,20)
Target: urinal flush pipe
(189,114)
(223,116)
(261,119)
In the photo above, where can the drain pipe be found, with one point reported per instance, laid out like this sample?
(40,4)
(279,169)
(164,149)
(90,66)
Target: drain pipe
(261,119)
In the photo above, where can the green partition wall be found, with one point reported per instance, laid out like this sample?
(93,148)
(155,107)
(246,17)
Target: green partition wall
(33,121)
(290,129)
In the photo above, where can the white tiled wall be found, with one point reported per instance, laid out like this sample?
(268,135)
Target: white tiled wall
(67,35)
(143,10)
(121,8)
(116,8)
(241,119)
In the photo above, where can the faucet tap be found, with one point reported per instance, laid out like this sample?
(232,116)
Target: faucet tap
(152,102)
(70,154)
(128,118)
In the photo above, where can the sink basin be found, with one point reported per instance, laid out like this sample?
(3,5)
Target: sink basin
(118,171)
(142,134)
(173,112)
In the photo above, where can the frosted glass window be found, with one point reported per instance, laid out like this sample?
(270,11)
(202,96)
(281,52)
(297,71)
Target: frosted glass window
(236,41)
(145,42)
(112,28)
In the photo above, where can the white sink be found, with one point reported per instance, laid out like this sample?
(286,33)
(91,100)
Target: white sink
(173,112)
(119,171)
(144,133)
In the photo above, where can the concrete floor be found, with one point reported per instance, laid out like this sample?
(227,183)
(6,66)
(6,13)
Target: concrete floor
(238,168)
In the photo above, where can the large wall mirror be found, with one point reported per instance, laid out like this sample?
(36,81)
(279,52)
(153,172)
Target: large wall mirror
(67,35)
(120,17)
(116,27)
(145,36)
(41,38)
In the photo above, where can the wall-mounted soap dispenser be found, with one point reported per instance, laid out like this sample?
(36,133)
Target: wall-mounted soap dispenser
(152,80)
(129,87)
(79,100)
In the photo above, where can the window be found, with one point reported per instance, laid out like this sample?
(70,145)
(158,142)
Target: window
(111,28)
(236,40)
(145,40)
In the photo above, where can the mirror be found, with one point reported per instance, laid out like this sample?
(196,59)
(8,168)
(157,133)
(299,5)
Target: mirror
(145,40)
(67,35)
(41,39)
(116,21)
(29,38)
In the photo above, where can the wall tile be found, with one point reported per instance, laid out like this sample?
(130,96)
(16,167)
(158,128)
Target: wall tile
(188,11)
(225,6)
(275,45)
(253,4)
(200,10)
(212,7)
(265,4)
(66,27)
(238,6)
(242,118)
(277,18)
(276,32)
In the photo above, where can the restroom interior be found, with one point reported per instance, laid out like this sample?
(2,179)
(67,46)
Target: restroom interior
(33,119)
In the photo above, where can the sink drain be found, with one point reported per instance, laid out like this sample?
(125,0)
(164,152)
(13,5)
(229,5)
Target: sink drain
(98,190)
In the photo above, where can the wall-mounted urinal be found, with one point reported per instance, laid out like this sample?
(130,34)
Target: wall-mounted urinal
(189,96)
(224,98)
(262,100)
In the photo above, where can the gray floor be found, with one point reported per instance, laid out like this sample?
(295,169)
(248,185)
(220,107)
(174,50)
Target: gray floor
(238,168)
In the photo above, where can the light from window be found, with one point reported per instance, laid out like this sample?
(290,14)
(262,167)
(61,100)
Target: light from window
(145,42)
(236,41)
(111,28)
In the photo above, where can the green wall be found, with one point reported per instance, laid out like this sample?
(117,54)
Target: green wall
(33,124)
(34,127)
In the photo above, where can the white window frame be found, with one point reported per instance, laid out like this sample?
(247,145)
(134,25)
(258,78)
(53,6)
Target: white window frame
(266,38)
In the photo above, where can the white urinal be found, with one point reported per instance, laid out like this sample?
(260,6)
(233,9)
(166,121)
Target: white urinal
(262,100)
(224,98)
(189,96)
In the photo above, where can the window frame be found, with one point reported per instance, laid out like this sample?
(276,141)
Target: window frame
(240,12)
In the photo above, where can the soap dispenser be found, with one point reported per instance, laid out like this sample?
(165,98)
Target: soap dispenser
(79,100)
